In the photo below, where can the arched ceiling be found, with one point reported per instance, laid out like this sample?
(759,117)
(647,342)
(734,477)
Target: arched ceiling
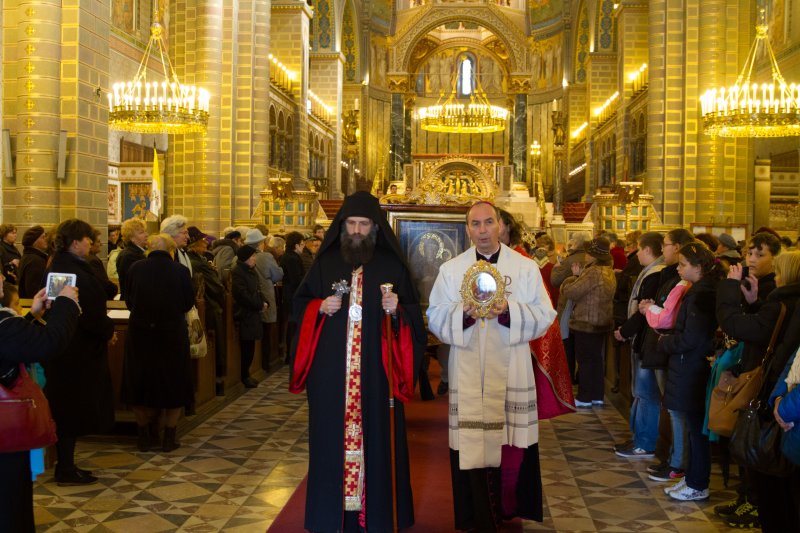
(484,18)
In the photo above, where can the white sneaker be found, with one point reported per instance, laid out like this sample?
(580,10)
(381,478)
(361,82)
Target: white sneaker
(675,486)
(688,494)
(579,403)
(597,402)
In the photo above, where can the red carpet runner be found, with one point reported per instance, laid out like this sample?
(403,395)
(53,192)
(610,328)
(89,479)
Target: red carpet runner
(430,474)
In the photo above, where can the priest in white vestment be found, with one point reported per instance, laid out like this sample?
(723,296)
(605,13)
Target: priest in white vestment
(492,417)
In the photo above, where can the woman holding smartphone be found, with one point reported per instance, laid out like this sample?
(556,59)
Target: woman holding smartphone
(79,383)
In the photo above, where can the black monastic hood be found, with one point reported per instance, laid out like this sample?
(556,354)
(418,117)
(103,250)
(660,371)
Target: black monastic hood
(362,204)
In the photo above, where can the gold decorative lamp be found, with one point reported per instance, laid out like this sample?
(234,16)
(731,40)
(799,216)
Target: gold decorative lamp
(751,110)
(455,116)
(164,105)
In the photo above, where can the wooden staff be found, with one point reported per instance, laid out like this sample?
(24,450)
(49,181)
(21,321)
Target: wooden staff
(387,288)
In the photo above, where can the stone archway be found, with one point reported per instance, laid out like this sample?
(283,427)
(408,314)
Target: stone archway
(433,16)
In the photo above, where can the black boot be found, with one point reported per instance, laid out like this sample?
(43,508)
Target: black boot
(170,442)
(155,435)
(144,441)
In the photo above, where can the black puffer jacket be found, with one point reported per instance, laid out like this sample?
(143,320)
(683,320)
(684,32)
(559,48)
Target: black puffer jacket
(754,324)
(751,323)
(688,347)
(651,357)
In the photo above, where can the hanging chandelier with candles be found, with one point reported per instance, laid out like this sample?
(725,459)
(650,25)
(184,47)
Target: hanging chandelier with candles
(157,106)
(749,109)
(452,116)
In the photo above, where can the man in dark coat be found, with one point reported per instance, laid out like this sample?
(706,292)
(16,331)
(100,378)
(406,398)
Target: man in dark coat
(349,475)
(293,271)
(34,262)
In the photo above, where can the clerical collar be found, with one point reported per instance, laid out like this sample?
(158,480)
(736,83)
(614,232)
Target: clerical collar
(491,258)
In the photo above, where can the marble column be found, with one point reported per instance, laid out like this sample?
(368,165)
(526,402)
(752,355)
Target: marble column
(519,137)
(399,130)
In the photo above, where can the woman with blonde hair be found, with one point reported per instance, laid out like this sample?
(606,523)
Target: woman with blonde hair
(134,237)
(157,369)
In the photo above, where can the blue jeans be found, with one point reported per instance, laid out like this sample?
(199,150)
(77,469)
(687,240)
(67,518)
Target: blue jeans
(680,446)
(646,405)
(698,471)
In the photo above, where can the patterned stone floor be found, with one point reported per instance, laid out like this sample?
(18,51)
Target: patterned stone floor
(236,470)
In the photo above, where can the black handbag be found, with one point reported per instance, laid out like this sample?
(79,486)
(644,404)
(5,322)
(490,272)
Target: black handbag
(756,441)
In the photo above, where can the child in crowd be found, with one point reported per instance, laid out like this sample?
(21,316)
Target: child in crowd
(687,348)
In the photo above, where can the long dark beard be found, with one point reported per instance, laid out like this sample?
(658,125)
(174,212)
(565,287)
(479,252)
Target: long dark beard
(357,251)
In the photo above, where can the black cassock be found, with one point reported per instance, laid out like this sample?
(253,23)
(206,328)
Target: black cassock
(326,389)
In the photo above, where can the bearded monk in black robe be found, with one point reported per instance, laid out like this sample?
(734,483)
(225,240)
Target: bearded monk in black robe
(339,357)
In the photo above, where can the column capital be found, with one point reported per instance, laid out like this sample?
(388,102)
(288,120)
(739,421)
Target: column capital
(398,83)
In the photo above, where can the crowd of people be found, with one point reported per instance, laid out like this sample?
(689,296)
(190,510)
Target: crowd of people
(158,277)
(678,299)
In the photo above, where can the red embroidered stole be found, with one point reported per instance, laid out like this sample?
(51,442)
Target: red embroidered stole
(353,428)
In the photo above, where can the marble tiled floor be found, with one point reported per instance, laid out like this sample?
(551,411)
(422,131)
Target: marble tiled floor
(235,471)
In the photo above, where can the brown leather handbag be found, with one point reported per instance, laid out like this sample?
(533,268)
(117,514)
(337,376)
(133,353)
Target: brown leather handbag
(25,419)
(734,393)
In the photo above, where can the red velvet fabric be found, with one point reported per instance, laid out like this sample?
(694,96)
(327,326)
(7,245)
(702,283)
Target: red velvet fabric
(306,346)
(553,384)
(402,360)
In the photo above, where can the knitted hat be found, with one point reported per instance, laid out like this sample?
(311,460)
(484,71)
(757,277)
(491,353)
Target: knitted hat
(599,248)
(30,236)
(244,253)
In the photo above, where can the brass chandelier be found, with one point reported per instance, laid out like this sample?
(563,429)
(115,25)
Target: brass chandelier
(452,116)
(753,110)
(163,106)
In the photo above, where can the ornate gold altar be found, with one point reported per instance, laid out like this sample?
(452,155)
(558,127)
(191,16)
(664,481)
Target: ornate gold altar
(450,181)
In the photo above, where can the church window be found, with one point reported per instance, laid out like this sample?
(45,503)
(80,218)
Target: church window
(466,75)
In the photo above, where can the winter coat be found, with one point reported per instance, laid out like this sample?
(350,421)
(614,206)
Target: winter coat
(214,290)
(293,274)
(79,382)
(157,371)
(563,270)
(269,273)
(31,272)
(592,293)
(651,357)
(734,315)
(9,252)
(755,329)
(224,251)
(688,347)
(308,259)
(247,301)
(99,270)
(619,257)
(635,327)
(126,258)
(789,408)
